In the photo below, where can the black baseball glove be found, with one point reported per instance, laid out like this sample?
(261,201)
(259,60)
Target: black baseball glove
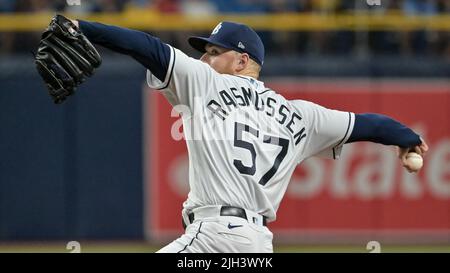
(65,58)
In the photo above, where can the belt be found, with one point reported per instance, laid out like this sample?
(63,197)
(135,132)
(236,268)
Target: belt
(230,211)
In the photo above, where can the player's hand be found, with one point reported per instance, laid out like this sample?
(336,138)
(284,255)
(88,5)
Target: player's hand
(421,149)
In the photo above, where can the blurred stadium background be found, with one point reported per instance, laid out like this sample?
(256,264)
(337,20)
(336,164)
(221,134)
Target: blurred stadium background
(103,170)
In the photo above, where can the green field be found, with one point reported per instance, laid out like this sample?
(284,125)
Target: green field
(139,247)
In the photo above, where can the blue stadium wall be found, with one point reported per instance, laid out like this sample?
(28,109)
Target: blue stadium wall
(71,170)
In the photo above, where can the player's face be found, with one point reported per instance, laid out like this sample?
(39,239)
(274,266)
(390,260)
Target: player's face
(221,59)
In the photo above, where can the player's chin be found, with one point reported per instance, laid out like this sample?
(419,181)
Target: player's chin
(221,70)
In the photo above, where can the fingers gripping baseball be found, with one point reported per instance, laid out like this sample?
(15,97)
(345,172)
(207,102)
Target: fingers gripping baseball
(65,58)
(412,158)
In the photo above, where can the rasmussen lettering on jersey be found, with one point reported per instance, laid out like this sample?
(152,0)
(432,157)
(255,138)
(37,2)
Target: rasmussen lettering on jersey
(233,98)
(200,126)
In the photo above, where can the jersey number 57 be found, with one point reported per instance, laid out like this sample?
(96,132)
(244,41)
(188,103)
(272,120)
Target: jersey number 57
(239,128)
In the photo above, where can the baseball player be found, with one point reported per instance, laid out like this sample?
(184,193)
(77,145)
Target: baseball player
(244,140)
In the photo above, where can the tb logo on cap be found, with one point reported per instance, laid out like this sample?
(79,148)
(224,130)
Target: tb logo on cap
(216,29)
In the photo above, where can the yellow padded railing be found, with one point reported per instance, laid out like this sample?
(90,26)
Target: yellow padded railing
(154,21)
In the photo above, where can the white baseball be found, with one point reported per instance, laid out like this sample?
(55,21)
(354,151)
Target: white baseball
(414,161)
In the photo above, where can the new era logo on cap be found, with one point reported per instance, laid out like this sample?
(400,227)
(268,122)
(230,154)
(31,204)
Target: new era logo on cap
(234,36)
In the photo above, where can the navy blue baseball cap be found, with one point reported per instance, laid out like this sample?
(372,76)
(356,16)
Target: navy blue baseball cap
(234,36)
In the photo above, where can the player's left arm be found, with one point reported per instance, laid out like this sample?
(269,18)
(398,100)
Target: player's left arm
(182,79)
(385,130)
(148,50)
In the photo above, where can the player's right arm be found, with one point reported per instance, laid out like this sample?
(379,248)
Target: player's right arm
(385,130)
(329,130)
(169,68)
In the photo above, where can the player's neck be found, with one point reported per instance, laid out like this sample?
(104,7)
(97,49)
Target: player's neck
(248,73)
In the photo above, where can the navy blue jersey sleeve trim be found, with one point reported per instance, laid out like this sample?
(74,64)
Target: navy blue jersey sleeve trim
(345,135)
(171,66)
(265,91)
(348,129)
(384,130)
(144,48)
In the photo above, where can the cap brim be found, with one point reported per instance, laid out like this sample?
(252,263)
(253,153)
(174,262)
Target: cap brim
(199,43)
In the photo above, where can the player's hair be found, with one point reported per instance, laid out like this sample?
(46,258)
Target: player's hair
(255,66)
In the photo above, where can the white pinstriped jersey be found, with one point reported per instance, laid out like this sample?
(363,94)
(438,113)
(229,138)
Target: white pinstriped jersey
(245,140)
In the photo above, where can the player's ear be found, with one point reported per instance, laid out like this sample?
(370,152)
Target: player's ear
(243,61)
